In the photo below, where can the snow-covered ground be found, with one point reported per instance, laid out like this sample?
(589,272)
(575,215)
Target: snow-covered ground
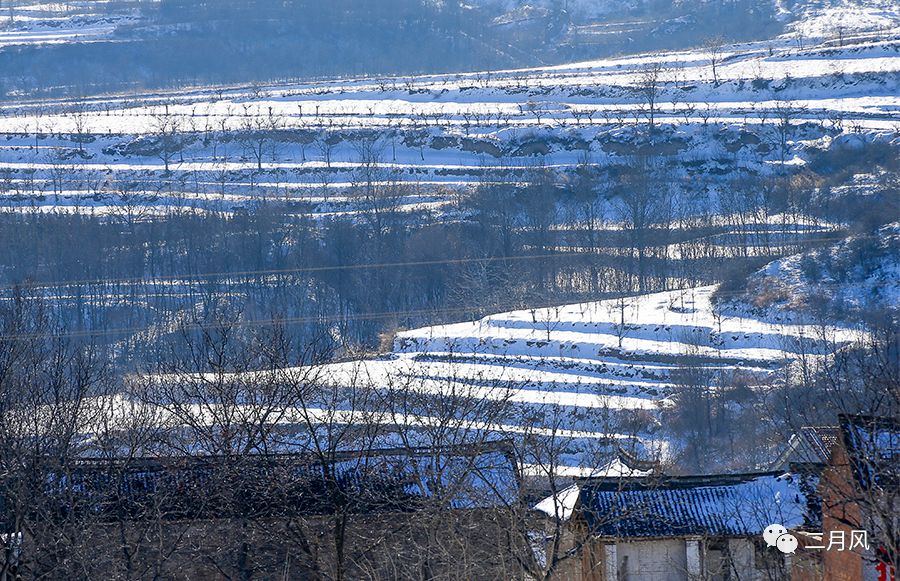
(841,280)
(72,21)
(566,374)
(839,18)
(453,130)
(573,370)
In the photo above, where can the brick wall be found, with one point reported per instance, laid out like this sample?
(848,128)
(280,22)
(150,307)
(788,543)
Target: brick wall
(839,513)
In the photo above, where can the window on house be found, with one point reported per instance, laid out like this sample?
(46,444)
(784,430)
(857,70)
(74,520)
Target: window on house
(718,565)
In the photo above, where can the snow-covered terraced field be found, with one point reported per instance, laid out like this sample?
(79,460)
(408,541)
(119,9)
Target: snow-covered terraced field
(219,148)
(572,374)
(653,326)
(584,360)
(39,23)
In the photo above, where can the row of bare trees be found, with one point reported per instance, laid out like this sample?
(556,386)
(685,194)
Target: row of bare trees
(231,453)
(245,399)
(626,229)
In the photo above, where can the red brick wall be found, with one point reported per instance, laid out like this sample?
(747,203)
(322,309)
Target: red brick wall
(807,564)
(839,513)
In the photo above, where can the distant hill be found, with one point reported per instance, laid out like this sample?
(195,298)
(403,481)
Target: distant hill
(90,47)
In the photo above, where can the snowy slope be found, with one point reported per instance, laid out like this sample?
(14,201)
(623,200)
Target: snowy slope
(575,376)
(456,129)
(811,18)
(570,374)
(579,9)
(861,273)
(32,23)
(843,18)
(582,360)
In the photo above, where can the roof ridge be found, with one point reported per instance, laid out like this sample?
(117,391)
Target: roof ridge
(500,445)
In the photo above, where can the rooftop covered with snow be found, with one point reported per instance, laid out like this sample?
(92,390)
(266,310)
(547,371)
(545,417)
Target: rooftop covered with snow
(721,505)
(257,485)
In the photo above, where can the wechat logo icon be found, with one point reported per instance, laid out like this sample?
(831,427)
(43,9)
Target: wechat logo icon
(777,536)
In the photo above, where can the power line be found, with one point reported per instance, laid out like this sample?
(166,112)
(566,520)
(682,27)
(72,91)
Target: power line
(374,266)
(335,318)
(298,270)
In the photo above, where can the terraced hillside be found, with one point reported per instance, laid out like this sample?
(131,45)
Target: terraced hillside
(595,364)
(376,195)
(759,107)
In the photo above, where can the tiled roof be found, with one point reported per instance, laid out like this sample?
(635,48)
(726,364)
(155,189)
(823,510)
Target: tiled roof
(820,440)
(562,504)
(731,505)
(256,485)
(810,445)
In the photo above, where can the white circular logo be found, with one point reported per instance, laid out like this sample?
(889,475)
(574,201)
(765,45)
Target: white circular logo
(772,532)
(787,543)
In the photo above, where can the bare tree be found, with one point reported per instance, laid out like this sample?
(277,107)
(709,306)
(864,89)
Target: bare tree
(589,193)
(618,307)
(376,187)
(786,113)
(547,318)
(49,386)
(79,124)
(166,129)
(645,202)
(258,134)
(133,204)
(227,393)
(326,143)
(648,87)
(714,47)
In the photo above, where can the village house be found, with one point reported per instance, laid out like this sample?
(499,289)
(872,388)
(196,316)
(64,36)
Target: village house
(664,528)
(808,452)
(376,513)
